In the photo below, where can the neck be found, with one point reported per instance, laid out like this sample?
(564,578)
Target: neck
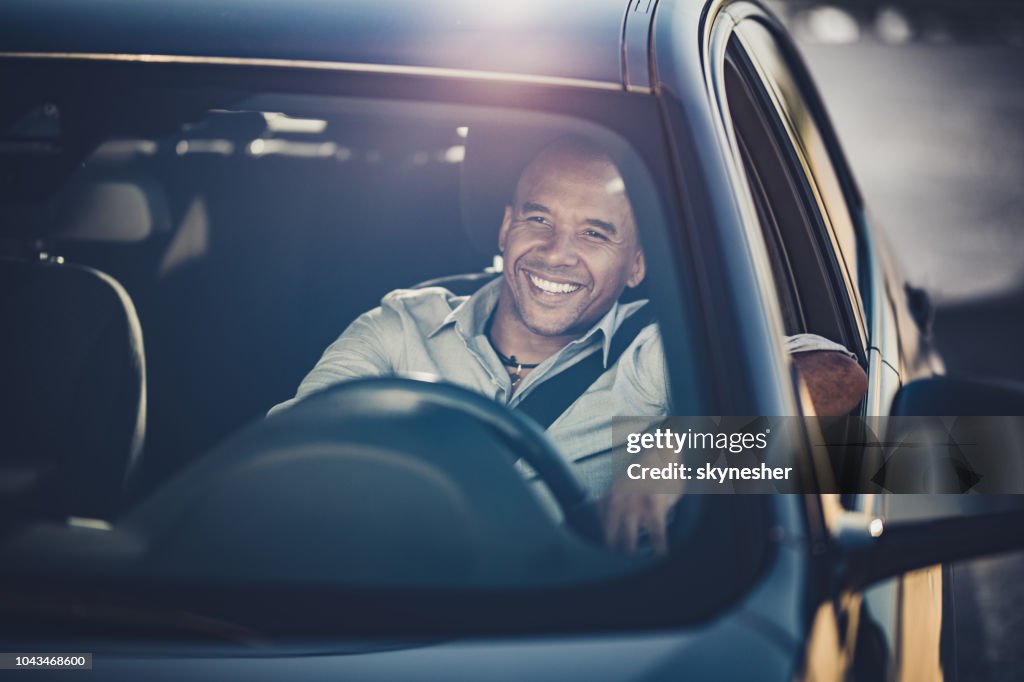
(513,337)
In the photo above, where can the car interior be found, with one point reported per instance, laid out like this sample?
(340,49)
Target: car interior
(174,263)
(174,260)
(232,270)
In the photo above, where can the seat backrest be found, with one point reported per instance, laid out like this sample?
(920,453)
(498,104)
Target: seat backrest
(72,388)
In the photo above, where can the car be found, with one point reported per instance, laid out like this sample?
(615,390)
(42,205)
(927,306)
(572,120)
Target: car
(197,198)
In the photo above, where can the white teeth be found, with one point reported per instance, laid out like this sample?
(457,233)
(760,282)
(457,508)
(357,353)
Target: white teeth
(553,287)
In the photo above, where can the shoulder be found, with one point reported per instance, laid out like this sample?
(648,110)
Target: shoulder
(641,372)
(427,298)
(427,307)
(646,341)
(646,353)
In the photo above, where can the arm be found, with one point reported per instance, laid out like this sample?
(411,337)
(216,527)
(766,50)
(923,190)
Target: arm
(831,373)
(361,351)
(833,378)
(626,513)
(835,381)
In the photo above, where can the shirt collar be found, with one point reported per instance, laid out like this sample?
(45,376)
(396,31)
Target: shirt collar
(471,314)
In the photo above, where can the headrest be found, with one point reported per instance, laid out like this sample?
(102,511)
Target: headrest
(495,157)
(73,393)
(111,209)
(94,205)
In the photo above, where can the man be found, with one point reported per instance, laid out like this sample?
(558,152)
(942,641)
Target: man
(570,247)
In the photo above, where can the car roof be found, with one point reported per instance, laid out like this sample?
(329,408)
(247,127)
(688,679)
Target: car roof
(578,39)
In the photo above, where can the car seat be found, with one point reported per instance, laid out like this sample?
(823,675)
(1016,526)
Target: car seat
(73,388)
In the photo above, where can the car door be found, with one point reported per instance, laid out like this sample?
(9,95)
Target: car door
(828,282)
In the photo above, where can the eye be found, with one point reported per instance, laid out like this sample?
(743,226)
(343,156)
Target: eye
(594,234)
(539,219)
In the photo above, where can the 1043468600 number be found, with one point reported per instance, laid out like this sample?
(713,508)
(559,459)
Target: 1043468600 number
(48,661)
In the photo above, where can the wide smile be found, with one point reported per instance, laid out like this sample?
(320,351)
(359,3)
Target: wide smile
(551,289)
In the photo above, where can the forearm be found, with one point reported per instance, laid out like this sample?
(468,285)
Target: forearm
(361,351)
(834,380)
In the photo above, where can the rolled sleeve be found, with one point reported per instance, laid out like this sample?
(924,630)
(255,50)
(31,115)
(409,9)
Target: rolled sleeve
(806,343)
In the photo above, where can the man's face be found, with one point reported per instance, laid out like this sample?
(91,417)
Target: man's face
(569,242)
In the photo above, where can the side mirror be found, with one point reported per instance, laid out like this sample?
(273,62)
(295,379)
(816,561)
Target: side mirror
(868,549)
(956,434)
(947,396)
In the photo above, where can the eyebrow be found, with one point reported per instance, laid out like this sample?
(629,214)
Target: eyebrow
(533,207)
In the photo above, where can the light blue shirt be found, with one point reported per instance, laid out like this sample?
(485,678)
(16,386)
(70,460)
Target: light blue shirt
(421,333)
(432,333)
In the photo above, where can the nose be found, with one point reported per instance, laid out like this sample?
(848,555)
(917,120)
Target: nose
(559,249)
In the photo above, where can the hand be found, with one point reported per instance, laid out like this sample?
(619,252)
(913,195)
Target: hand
(626,512)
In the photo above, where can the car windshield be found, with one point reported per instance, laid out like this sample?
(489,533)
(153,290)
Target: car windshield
(239,232)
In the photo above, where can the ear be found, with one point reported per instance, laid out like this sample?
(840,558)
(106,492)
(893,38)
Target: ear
(506,223)
(639,270)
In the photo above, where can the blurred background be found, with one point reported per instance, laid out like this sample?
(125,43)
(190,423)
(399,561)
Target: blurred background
(928,100)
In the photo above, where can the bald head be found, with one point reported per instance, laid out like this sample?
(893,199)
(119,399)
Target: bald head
(579,156)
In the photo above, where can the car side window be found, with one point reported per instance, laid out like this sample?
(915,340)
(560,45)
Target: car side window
(801,204)
(773,194)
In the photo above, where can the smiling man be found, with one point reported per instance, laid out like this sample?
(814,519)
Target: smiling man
(570,247)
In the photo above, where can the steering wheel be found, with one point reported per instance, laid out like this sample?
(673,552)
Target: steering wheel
(430,404)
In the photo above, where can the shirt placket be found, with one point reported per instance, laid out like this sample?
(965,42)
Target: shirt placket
(499,379)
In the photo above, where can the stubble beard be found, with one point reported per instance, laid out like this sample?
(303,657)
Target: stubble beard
(570,324)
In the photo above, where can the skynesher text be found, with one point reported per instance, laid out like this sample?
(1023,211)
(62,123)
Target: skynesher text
(680,472)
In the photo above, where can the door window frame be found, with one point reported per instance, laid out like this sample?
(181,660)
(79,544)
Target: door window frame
(779,101)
